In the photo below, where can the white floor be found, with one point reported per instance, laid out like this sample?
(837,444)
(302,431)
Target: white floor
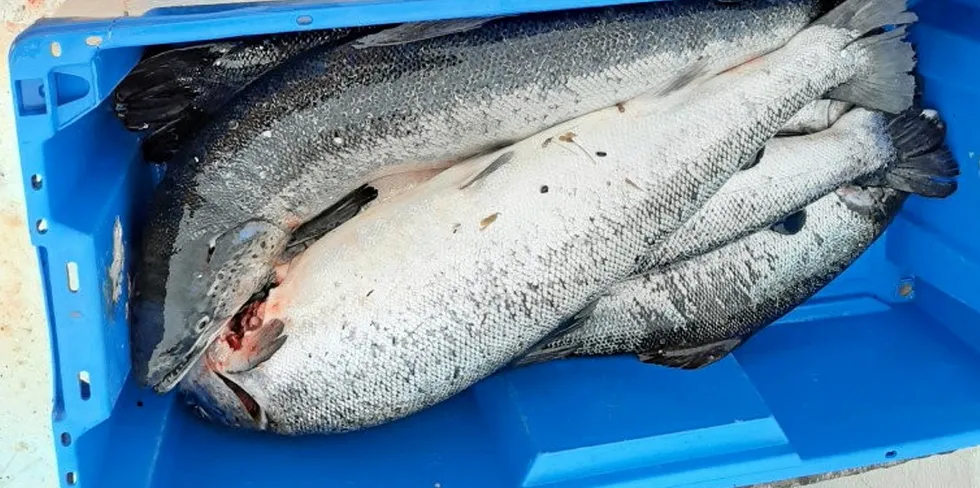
(26,447)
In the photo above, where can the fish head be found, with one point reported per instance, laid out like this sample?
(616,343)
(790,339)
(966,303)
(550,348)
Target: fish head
(187,289)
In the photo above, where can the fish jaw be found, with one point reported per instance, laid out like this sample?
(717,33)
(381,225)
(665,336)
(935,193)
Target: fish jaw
(208,281)
(214,389)
(217,398)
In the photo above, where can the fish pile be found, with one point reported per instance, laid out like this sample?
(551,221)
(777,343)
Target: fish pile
(358,224)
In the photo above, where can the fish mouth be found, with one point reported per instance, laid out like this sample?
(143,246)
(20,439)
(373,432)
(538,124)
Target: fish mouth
(248,402)
(170,376)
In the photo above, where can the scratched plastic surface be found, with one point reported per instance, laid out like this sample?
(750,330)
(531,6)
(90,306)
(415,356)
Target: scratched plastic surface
(882,365)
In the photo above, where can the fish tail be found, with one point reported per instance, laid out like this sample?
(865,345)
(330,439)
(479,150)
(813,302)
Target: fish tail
(864,16)
(885,81)
(923,164)
(164,98)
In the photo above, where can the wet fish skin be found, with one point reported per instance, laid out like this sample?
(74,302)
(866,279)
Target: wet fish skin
(304,135)
(695,311)
(413,301)
(796,171)
(170,94)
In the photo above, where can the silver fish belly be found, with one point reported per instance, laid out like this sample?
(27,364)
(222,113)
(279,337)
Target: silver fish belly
(304,135)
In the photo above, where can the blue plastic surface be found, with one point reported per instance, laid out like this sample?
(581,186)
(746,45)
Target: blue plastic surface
(881,365)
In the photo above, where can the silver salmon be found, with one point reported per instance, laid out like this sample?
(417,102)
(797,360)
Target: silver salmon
(297,144)
(696,311)
(412,301)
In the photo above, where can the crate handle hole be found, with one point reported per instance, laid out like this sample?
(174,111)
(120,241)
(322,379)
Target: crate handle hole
(41,225)
(304,20)
(36,182)
(71,269)
(69,88)
(85,385)
(71,478)
(65,439)
(891,454)
(30,96)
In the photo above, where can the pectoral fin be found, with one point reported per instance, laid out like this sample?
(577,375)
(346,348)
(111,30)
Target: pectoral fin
(329,219)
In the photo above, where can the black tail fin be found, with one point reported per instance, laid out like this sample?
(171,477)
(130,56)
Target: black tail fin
(923,164)
(173,92)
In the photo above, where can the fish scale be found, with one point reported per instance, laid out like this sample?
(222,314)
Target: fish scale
(697,311)
(437,284)
(328,119)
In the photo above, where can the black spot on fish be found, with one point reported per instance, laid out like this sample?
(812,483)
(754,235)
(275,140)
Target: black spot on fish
(546,142)
(621,107)
(601,154)
(456,227)
(369,293)
(544,188)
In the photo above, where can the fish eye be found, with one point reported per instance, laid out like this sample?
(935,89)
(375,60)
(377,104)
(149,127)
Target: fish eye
(202,322)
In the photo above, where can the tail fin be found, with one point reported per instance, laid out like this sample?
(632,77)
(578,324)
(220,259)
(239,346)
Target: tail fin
(166,97)
(886,82)
(864,16)
(923,163)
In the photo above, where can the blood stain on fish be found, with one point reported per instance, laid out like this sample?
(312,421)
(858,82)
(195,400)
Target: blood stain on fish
(567,137)
(621,106)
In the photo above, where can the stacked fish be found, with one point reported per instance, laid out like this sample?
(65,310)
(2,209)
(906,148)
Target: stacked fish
(358,224)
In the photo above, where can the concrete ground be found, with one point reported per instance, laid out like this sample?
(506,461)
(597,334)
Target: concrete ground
(26,446)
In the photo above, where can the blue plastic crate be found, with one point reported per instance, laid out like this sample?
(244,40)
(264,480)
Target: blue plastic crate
(882,365)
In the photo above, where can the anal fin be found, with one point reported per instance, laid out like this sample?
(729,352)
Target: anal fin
(539,353)
(691,357)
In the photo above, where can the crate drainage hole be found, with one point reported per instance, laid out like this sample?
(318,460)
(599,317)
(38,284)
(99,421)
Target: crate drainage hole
(304,20)
(36,182)
(71,478)
(65,439)
(891,454)
(84,385)
(41,226)
(72,270)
